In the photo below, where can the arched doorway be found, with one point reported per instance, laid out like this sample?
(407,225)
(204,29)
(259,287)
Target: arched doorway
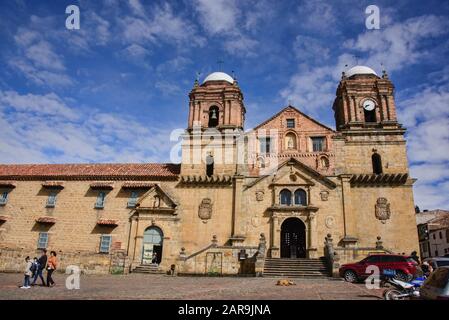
(152,245)
(293,238)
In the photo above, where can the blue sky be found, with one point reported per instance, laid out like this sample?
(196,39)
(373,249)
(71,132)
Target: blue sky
(115,89)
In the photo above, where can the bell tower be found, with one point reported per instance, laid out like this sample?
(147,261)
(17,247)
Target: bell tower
(371,162)
(364,100)
(216,103)
(210,149)
(365,116)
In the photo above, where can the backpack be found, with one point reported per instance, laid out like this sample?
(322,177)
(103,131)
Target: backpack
(33,267)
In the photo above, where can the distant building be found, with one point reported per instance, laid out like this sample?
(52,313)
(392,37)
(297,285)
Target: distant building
(433,233)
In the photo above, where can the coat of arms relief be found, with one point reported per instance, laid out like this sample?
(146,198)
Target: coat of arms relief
(205,209)
(382,211)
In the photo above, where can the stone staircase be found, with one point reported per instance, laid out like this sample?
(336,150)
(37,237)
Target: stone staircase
(295,268)
(148,268)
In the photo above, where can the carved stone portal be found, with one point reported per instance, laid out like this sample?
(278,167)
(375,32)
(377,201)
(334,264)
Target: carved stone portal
(382,211)
(205,209)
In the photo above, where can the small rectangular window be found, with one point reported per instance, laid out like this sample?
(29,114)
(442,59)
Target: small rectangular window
(133,199)
(42,241)
(51,201)
(99,204)
(290,123)
(3,197)
(105,243)
(265,145)
(318,144)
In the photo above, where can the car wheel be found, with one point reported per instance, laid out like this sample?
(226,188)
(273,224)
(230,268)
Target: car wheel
(350,276)
(402,276)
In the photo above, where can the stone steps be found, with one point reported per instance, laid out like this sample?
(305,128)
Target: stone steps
(295,268)
(150,269)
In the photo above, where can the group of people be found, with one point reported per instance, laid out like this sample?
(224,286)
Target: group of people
(34,269)
(424,268)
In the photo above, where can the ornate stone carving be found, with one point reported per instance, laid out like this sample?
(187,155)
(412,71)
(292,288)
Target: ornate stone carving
(205,209)
(324,195)
(382,211)
(311,216)
(329,222)
(255,221)
(259,195)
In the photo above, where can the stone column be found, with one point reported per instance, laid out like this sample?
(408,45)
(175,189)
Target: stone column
(312,245)
(349,221)
(275,237)
(132,240)
(139,243)
(238,216)
(356,109)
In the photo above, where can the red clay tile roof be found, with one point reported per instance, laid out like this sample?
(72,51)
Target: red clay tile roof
(7,184)
(125,171)
(107,222)
(46,220)
(102,184)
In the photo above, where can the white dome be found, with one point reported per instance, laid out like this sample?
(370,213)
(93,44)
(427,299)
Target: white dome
(360,70)
(219,76)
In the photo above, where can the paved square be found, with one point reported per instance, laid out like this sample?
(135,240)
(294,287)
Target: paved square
(142,286)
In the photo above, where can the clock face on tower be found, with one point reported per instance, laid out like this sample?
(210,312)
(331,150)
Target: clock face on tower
(369,105)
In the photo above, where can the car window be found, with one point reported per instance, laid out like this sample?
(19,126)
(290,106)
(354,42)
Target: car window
(411,260)
(442,263)
(439,278)
(372,259)
(392,259)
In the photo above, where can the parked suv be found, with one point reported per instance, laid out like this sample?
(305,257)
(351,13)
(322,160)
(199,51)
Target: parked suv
(404,267)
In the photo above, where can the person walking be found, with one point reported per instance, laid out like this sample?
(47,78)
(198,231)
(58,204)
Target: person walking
(414,256)
(26,281)
(51,267)
(42,261)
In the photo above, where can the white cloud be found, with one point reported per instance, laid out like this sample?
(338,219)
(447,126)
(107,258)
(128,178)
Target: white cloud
(398,45)
(218,16)
(310,49)
(317,16)
(224,19)
(49,104)
(161,24)
(45,124)
(167,88)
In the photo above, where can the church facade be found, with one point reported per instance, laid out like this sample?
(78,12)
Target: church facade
(276,191)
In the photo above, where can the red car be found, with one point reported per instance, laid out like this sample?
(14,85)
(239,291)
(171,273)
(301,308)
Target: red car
(404,267)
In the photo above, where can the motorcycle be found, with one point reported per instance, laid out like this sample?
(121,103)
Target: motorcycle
(400,289)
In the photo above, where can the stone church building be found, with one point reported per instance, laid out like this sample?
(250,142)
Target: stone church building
(291,188)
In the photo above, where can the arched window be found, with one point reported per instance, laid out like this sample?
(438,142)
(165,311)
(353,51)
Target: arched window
(286,197)
(213,117)
(209,165)
(300,197)
(377,163)
(370,116)
(290,141)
